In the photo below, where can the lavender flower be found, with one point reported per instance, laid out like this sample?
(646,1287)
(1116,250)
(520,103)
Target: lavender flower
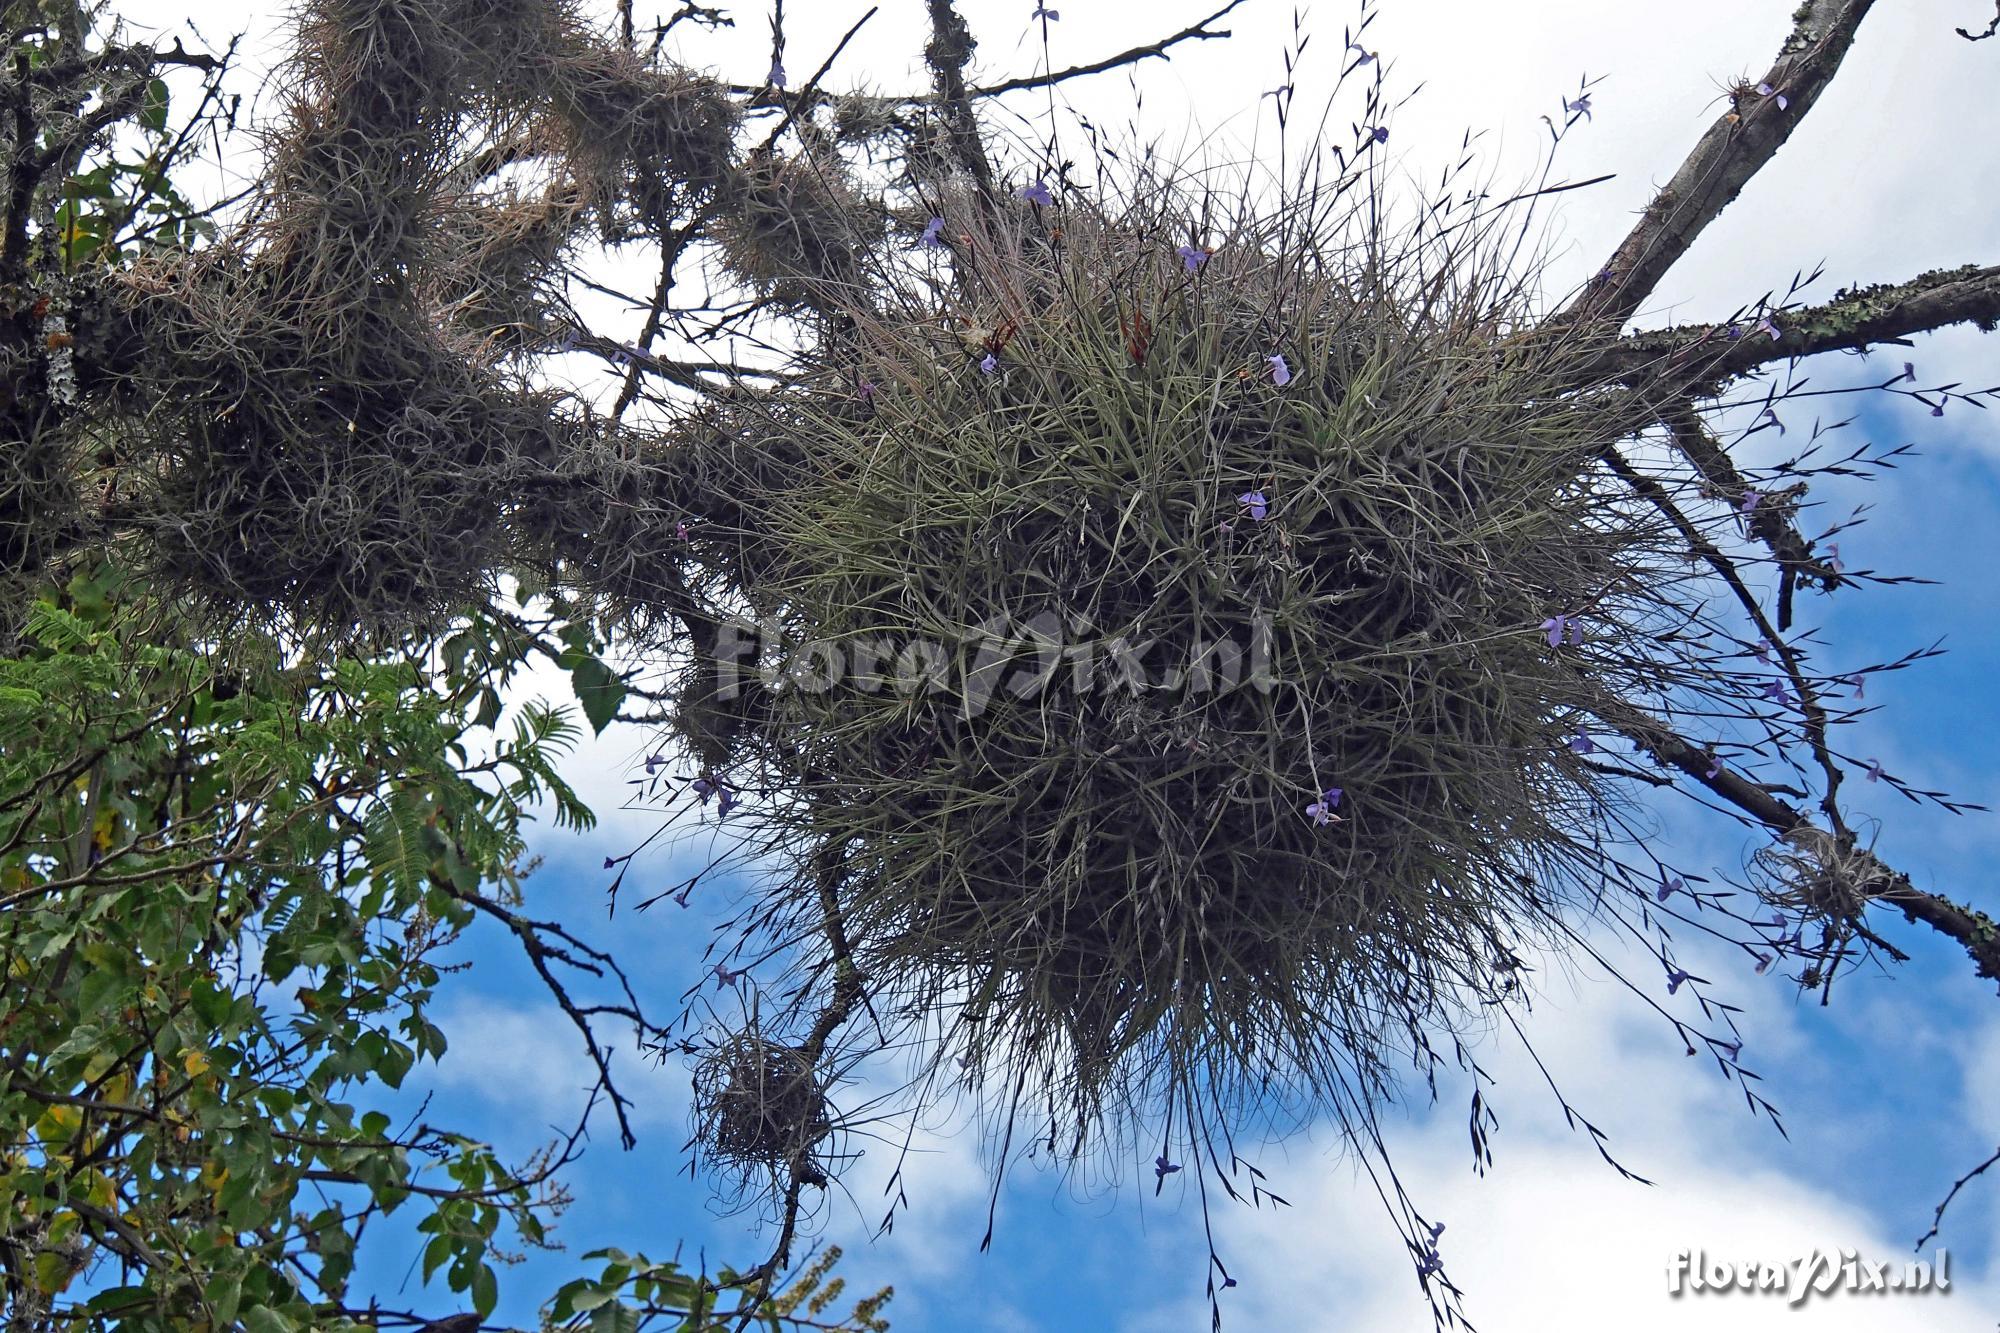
(1669,888)
(1858,681)
(1766,90)
(1833,560)
(1039,195)
(1255,505)
(681,531)
(1937,409)
(1910,371)
(653,761)
(1162,1168)
(1874,770)
(1762,651)
(778,74)
(1751,499)
(1046,14)
(1776,692)
(988,364)
(725,976)
(1192,257)
(1735,1048)
(868,389)
(1714,768)
(1772,413)
(1322,810)
(1579,107)
(1281,370)
(1380,134)
(1676,979)
(1764,961)
(1561,626)
(1769,328)
(933,234)
(1582,744)
(1363,60)
(610,862)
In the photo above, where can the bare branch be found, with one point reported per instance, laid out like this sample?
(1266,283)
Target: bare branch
(1733,150)
(1976,932)
(1854,319)
(1194,32)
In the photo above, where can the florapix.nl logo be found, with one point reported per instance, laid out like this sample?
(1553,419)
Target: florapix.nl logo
(1002,658)
(1797,1280)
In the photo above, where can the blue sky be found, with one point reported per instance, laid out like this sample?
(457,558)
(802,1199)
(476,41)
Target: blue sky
(1888,1094)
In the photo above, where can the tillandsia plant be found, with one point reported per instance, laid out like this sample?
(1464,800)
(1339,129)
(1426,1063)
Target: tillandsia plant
(1222,627)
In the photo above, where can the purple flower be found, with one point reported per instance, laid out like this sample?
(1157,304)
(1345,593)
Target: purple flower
(1858,681)
(1874,770)
(1281,370)
(1256,505)
(1162,1168)
(1833,560)
(1762,651)
(1669,888)
(778,74)
(1772,413)
(1582,744)
(988,364)
(1751,499)
(1937,410)
(1735,1048)
(725,976)
(725,799)
(1676,978)
(1321,811)
(1380,134)
(1769,328)
(653,761)
(868,389)
(1776,692)
(1039,195)
(1045,13)
(1766,90)
(1363,60)
(1192,257)
(1714,768)
(681,898)
(1910,371)
(1735,332)
(1764,961)
(610,862)
(1560,626)
(933,234)
(1578,107)
(681,531)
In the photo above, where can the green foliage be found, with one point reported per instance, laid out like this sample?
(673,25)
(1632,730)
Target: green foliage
(223,879)
(225,874)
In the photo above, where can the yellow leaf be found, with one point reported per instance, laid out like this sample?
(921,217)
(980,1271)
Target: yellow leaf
(195,1063)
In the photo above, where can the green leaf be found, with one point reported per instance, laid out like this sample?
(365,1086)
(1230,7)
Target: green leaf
(599,689)
(153,112)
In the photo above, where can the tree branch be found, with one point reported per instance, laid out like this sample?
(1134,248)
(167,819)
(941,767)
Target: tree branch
(1194,32)
(1977,933)
(1733,150)
(1856,318)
